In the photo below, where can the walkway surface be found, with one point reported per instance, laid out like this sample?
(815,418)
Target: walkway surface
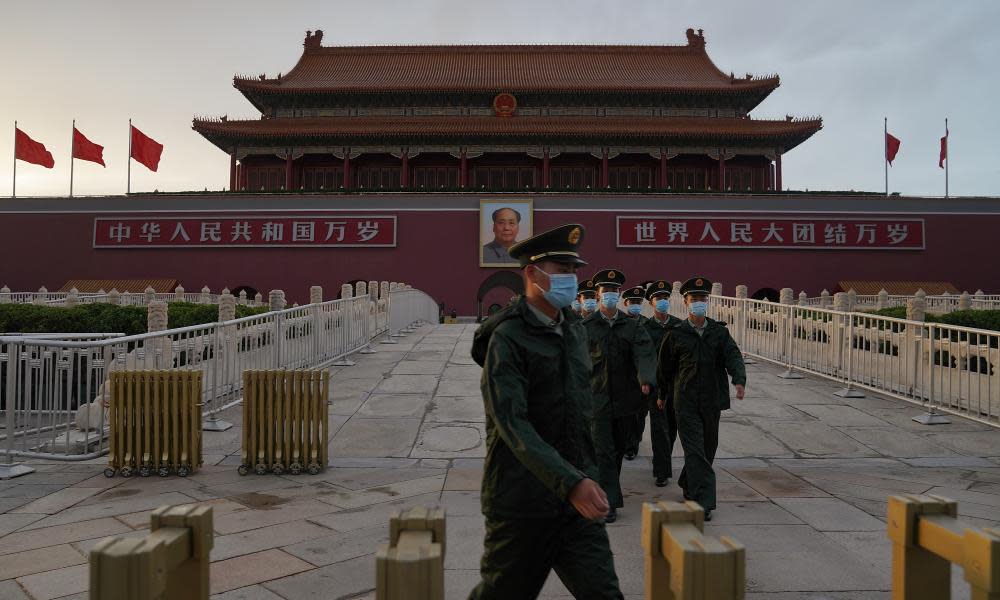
(803,481)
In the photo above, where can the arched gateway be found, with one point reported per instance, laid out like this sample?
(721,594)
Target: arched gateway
(490,290)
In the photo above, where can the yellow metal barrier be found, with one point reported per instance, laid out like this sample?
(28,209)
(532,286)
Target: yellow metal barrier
(285,423)
(684,564)
(155,422)
(411,565)
(926,538)
(171,563)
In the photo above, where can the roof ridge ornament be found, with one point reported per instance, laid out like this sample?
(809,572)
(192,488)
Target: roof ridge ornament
(696,40)
(313,40)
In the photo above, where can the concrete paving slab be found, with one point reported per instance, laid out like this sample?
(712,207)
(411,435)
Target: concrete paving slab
(375,437)
(464,479)
(384,493)
(10,590)
(242,571)
(368,516)
(338,547)
(450,440)
(815,439)
(744,439)
(348,579)
(830,514)
(777,483)
(408,384)
(59,583)
(60,534)
(461,504)
(362,478)
(250,592)
(395,405)
(972,443)
(839,415)
(418,367)
(896,443)
(39,560)
(265,538)
(466,409)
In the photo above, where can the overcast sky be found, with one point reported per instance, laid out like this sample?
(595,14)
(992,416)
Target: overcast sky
(851,62)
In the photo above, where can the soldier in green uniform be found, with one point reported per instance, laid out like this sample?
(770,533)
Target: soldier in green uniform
(694,359)
(587,297)
(633,298)
(624,368)
(662,421)
(544,510)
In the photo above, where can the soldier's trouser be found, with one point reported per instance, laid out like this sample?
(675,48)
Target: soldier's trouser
(662,433)
(698,428)
(640,428)
(612,438)
(520,552)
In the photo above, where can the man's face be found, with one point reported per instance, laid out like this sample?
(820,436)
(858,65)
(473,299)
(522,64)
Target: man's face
(632,301)
(695,298)
(505,226)
(538,272)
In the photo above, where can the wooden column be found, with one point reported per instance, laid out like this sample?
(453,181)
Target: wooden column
(242,176)
(404,176)
(463,172)
(663,170)
(546,172)
(722,171)
(777,173)
(605,182)
(288,171)
(232,170)
(347,170)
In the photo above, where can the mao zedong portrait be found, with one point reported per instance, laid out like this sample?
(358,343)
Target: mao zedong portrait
(506,225)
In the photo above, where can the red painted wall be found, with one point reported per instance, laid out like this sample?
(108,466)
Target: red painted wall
(437,252)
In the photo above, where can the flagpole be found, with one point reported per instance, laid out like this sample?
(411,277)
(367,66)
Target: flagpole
(13,193)
(128,186)
(947,157)
(885,155)
(72,153)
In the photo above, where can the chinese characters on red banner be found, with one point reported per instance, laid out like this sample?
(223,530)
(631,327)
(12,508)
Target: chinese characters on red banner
(240,232)
(779,233)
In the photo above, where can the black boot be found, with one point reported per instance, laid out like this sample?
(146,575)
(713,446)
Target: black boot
(612,516)
(662,481)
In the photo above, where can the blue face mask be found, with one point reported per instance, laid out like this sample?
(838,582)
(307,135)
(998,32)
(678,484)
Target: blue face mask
(699,309)
(562,289)
(590,304)
(662,305)
(576,306)
(610,299)
(634,309)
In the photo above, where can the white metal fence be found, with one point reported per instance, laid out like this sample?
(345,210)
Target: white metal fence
(942,367)
(45,381)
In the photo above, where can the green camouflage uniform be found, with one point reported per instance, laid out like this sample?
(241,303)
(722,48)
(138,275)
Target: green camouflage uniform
(693,366)
(538,404)
(662,423)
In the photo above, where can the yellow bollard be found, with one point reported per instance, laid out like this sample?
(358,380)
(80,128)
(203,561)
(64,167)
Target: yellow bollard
(684,564)
(411,565)
(927,537)
(171,563)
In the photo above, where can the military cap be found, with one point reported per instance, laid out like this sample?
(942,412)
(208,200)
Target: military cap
(637,292)
(586,287)
(696,285)
(608,277)
(557,245)
(658,287)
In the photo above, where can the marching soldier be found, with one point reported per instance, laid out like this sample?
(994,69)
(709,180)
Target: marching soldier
(544,510)
(694,359)
(662,421)
(587,297)
(623,370)
(633,298)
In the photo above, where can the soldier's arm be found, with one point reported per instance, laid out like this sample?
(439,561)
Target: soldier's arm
(644,357)
(664,368)
(734,361)
(506,403)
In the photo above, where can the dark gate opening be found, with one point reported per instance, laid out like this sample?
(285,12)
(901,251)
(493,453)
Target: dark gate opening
(490,292)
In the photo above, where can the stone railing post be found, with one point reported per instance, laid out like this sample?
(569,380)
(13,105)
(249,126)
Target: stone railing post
(741,291)
(4,295)
(316,294)
(803,299)
(72,298)
(114,297)
(276,300)
(383,290)
(916,309)
(964,301)
(825,301)
(787,296)
(883,300)
(204,298)
(156,316)
(979,293)
(179,293)
(41,296)
(258,299)
(227,306)
(157,319)
(716,288)
(361,289)
(243,298)
(149,294)
(840,301)
(373,290)
(852,299)
(346,291)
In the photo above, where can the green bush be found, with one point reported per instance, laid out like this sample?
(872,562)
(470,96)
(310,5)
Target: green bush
(894,312)
(106,318)
(975,319)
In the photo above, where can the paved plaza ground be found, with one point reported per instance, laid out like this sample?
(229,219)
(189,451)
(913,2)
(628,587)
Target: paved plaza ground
(803,480)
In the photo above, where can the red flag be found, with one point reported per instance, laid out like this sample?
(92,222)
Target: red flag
(891,147)
(29,150)
(145,149)
(85,149)
(943,156)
